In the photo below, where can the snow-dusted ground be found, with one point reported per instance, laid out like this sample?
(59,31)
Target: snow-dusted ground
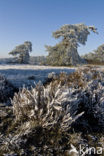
(19,75)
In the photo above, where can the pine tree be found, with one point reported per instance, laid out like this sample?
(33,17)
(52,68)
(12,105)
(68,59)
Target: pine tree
(22,52)
(65,52)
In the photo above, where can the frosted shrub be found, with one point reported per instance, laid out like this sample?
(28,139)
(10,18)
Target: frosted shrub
(43,115)
(46,115)
(48,106)
(93,101)
(52,75)
(87,90)
(6,89)
(91,95)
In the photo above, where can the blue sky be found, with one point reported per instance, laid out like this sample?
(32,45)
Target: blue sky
(35,20)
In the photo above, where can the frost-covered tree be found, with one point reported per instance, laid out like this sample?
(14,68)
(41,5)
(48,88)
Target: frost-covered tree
(22,52)
(65,52)
(96,56)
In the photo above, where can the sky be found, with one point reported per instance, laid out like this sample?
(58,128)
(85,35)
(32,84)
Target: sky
(35,20)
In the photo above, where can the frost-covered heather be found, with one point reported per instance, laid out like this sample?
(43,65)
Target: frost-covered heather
(43,109)
(46,117)
(19,75)
(87,90)
(49,106)
(6,89)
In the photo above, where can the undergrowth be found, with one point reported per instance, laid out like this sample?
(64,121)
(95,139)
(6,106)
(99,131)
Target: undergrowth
(48,119)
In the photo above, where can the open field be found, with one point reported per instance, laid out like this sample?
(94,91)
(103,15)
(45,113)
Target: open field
(26,75)
(20,75)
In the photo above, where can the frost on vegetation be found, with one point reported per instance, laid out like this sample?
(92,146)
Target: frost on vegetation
(66,51)
(48,106)
(93,100)
(45,115)
(21,53)
(52,75)
(6,89)
(88,86)
(96,56)
(43,112)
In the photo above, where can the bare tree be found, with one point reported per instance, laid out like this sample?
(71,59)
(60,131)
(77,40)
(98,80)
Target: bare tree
(22,52)
(65,52)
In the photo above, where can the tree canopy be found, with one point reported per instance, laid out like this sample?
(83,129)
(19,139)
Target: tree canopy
(65,52)
(96,56)
(22,52)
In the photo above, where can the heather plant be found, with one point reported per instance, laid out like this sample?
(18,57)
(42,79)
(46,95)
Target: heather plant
(81,91)
(86,84)
(46,106)
(49,119)
(43,117)
(6,89)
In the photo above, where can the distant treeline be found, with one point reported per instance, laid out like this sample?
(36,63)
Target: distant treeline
(34,60)
(64,53)
(37,60)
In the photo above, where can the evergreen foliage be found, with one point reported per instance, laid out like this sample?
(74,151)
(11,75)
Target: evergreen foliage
(96,57)
(65,52)
(22,52)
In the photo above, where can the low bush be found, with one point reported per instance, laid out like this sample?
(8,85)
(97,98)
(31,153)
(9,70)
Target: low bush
(7,90)
(48,119)
(44,115)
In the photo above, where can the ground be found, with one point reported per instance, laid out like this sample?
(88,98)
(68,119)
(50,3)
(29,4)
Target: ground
(20,75)
(80,93)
